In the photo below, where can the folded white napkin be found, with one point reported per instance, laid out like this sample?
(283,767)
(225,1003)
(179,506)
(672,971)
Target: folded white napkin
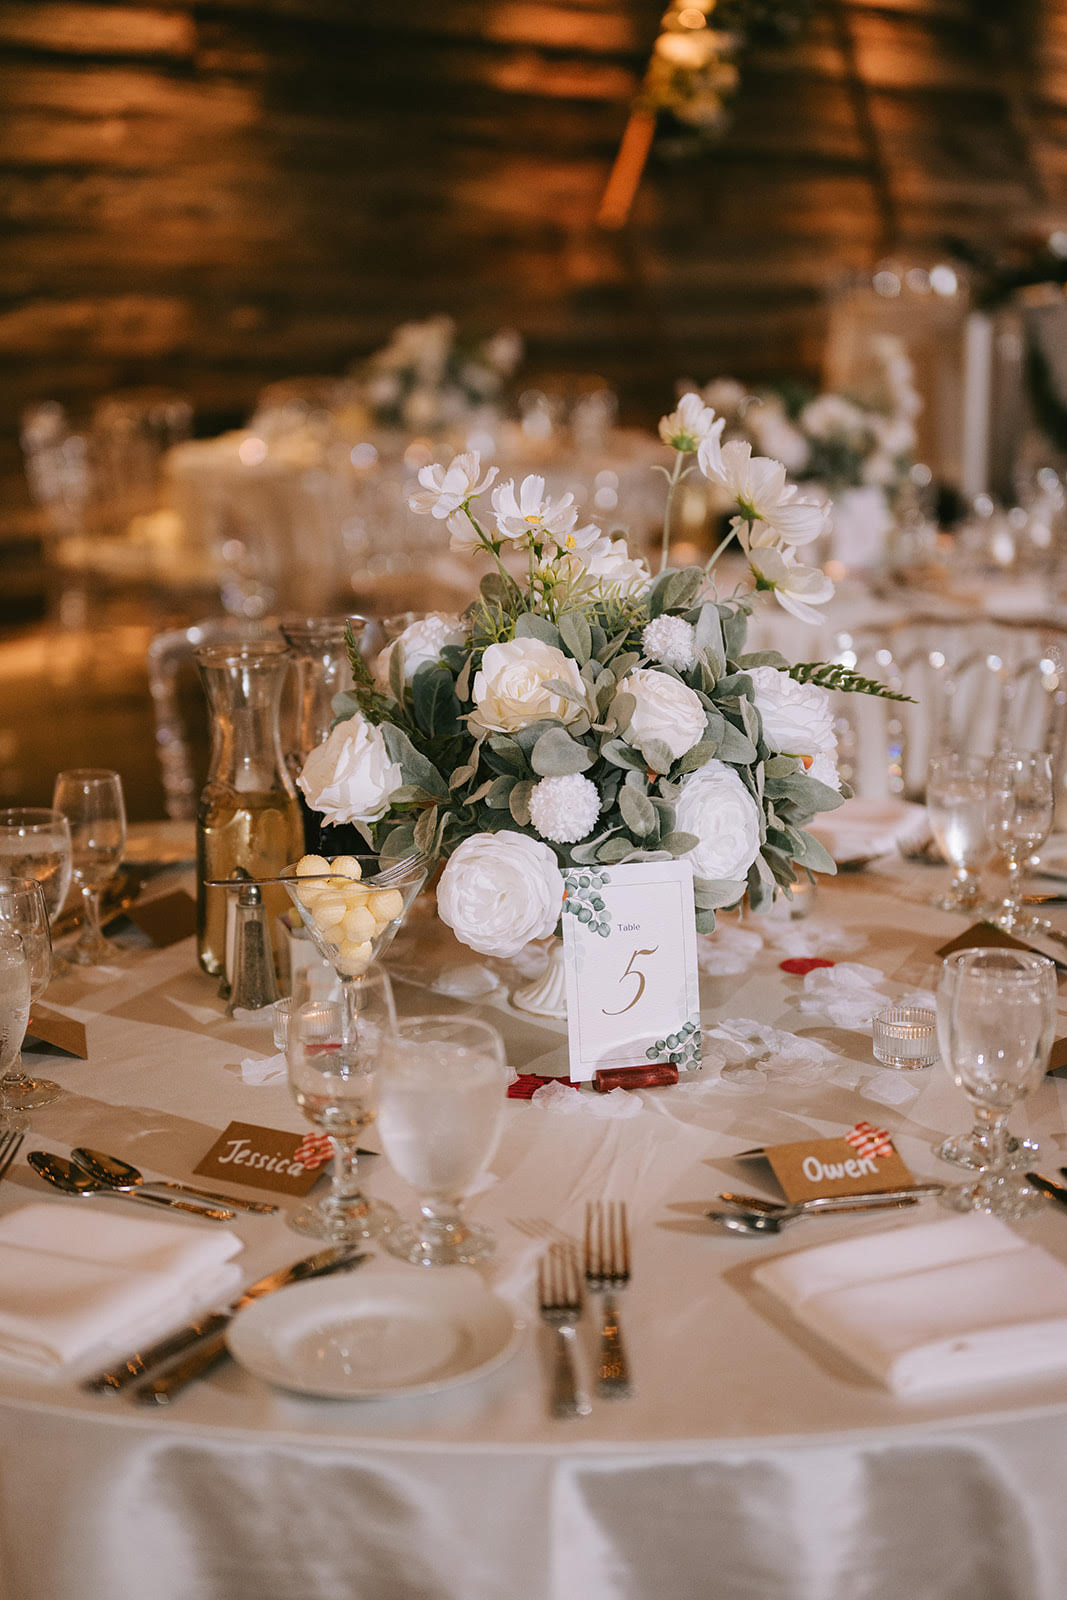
(860,830)
(74,1281)
(965,1301)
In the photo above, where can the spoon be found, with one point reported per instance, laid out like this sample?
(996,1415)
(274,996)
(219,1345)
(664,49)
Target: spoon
(63,1174)
(871,1201)
(774,1221)
(121,1175)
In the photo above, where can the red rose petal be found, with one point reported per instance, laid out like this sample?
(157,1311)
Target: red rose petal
(802,964)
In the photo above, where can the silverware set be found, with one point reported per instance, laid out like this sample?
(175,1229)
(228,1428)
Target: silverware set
(605,1268)
(751,1214)
(1054,1191)
(92,1173)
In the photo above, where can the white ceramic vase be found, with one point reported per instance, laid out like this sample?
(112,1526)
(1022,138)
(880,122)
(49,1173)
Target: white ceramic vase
(545,995)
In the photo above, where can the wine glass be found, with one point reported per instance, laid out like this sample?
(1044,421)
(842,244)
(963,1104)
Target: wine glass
(440,1094)
(23,912)
(14,1011)
(35,843)
(331,1082)
(1021,803)
(91,800)
(970,1150)
(957,805)
(999,1025)
(352,912)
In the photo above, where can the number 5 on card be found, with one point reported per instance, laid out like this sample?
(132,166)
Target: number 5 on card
(629,945)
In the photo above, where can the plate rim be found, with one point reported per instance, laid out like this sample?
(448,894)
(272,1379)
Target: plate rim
(327,1289)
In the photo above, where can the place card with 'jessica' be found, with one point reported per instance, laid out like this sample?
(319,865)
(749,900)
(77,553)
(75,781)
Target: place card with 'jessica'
(262,1158)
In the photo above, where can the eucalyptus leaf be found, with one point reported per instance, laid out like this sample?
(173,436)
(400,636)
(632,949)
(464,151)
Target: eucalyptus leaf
(499,794)
(698,757)
(414,766)
(709,639)
(577,635)
(658,755)
(705,921)
(637,811)
(735,747)
(505,754)
(710,894)
(519,802)
(614,851)
(764,658)
(397,679)
(556,754)
(497,590)
(734,631)
(624,664)
(344,705)
(621,755)
(398,843)
(434,699)
(679,843)
(426,831)
(464,679)
(682,589)
(533,626)
(808,852)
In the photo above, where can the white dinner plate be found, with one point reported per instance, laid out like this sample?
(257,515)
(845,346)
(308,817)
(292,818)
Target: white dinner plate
(377,1333)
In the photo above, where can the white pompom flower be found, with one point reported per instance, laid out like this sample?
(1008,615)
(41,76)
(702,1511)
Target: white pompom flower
(564,809)
(671,641)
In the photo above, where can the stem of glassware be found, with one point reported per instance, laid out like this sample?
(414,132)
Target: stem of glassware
(349,1011)
(92,934)
(991,1130)
(344,1174)
(441,1221)
(1011,903)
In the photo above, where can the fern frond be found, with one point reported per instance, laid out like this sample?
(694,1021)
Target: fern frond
(831,675)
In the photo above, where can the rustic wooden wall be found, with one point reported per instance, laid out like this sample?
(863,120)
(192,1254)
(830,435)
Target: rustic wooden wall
(215,193)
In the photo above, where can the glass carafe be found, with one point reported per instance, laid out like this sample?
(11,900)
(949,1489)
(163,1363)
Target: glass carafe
(248,815)
(320,657)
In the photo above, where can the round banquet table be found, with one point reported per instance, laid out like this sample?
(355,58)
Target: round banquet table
(751,1461)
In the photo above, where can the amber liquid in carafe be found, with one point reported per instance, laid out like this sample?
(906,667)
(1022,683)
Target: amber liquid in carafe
(261,832)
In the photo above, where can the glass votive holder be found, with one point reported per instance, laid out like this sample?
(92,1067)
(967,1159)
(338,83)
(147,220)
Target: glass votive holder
(905,1037)
(280,1013)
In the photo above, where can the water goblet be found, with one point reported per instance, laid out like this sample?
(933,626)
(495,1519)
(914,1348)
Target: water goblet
(999,1025)
(440,1095)
(23,913)
(352,912)
(91,800)
(14,1013)
(1021,803)
(331,1082)
(970,1150)
(35,843)
(957,805)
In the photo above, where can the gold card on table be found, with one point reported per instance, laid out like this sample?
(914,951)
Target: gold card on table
(65,1033)
(262,1158)
(166,920)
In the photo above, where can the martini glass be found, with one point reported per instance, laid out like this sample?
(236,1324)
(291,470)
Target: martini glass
(352,913)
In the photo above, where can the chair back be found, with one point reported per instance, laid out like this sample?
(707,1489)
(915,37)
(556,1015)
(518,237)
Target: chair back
(978,685)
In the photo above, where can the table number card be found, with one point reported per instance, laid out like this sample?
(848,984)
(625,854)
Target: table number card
(629,945)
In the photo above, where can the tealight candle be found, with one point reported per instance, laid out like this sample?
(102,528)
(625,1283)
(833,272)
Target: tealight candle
(905,1037)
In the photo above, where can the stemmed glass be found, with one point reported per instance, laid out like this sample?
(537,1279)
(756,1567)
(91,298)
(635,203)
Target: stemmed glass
(441,1093)
(35,843)
(352,912)
(1000,1017)
(14,1005)
(970,1150)
(957,805)
(1021,804)
(91,800)
(331,1083)
(23,915)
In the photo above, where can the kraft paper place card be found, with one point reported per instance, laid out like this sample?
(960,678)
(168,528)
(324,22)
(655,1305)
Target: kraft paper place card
(262,1158)
(630,961)
(986,936)
(860,1162)
(64,1033)
(166,920)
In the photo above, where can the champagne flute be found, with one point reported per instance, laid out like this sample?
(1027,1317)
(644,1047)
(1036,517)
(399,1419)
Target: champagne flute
(14,1010)
(91,800)
(1021,803)
(441,1095)
(957,805)
(1001,1017)
(331,1059)
(24,917)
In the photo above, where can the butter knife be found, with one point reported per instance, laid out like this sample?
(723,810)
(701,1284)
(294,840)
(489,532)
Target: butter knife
(1055,1191)
(175,1344)
(172,1380)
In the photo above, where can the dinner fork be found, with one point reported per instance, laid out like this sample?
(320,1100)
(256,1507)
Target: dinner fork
(10,1145)
(559,1291)
(607,1268)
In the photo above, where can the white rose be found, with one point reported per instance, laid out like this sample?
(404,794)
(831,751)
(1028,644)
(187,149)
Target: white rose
(349,777)
(823,767)
(666,710)
(421,641)
(510,692)
(715,805)
(797,717)
(500,890)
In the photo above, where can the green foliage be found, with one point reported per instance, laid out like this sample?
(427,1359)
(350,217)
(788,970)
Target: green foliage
(831,675)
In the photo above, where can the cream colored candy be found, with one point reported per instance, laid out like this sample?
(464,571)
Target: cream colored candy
(386,905)
(359,925)
(355,894)
(309,866)
(353,958)
(347,866)
(328,909)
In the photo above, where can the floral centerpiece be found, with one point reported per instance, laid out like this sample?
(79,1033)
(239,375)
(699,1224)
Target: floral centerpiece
(583,712)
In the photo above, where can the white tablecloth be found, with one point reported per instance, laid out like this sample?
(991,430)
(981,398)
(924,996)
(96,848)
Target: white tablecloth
(751,1462)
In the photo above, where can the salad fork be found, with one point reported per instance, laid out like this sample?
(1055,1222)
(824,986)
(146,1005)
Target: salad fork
(607,1268)
(10,1145)
(560,1295)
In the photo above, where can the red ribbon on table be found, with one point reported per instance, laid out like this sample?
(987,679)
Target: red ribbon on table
(527,1084)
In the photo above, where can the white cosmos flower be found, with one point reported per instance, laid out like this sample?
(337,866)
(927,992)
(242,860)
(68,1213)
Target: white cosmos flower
(445,489)
(688,427)
(531,512)
(617,574)
(464,540)
(758,485)
(796,588)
